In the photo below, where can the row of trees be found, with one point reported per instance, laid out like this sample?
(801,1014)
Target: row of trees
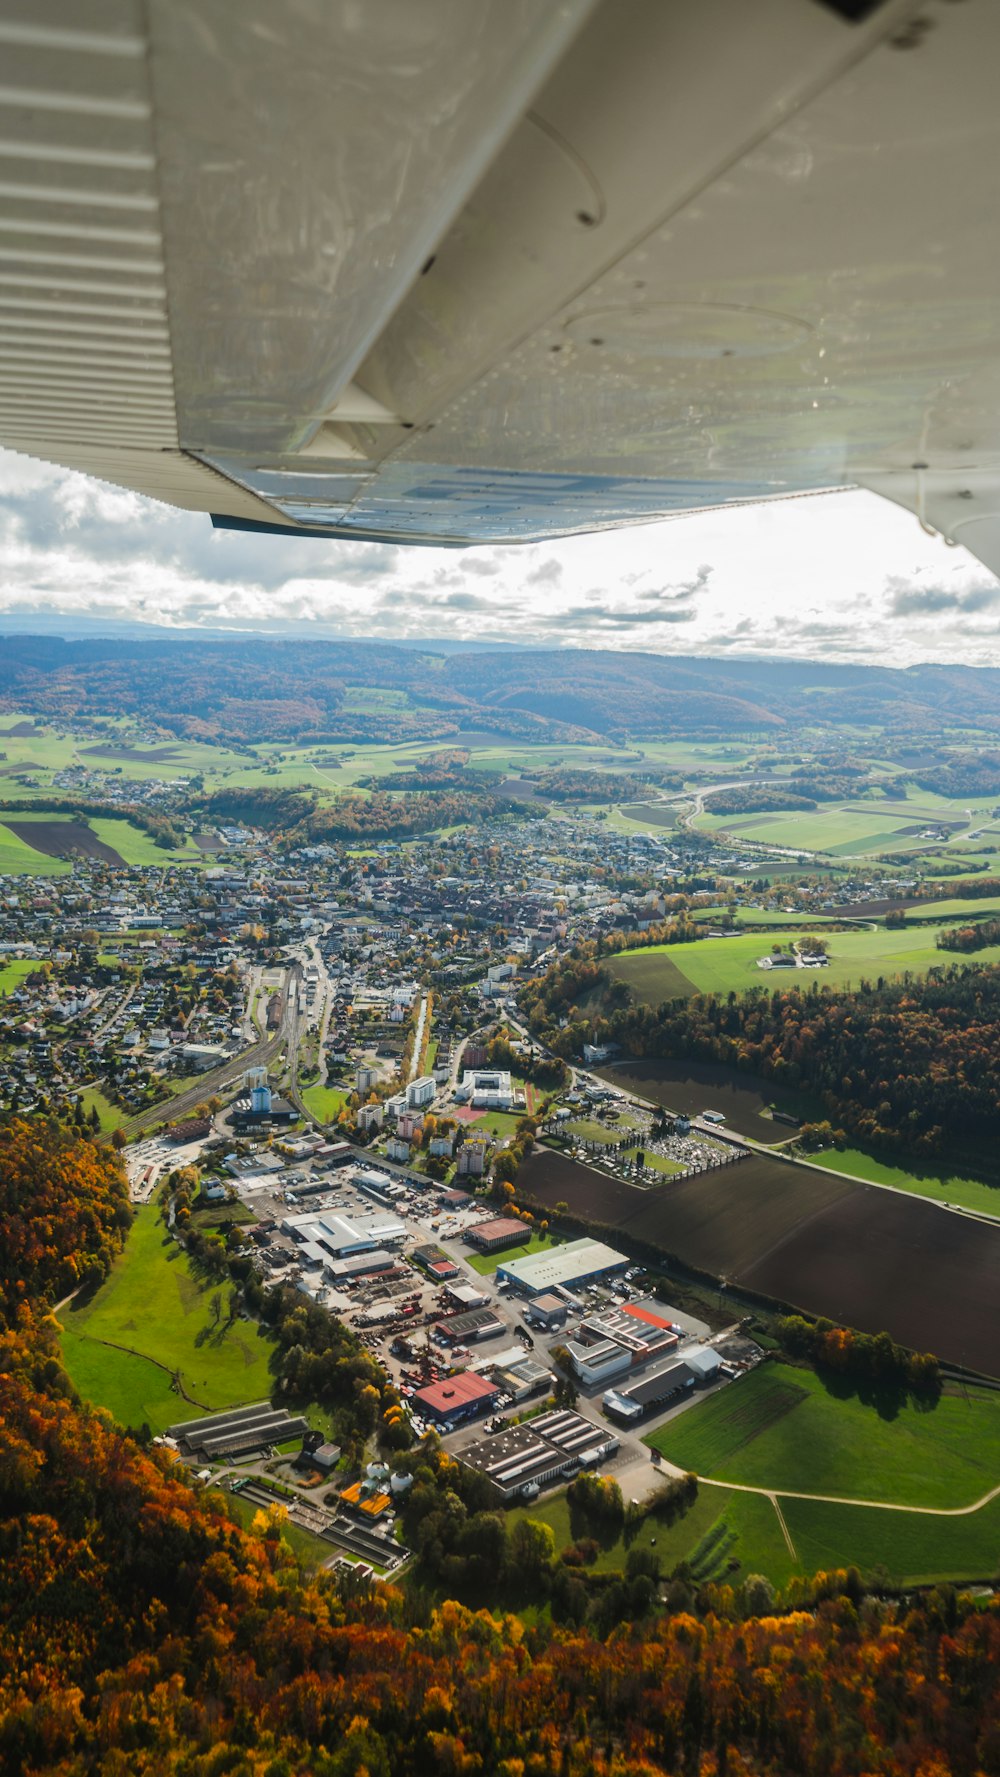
(865,1358)
(971,937)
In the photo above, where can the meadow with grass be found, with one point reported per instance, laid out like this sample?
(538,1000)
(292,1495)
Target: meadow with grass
(787,1428)
(724,965)
(154,1320)
(968,1193)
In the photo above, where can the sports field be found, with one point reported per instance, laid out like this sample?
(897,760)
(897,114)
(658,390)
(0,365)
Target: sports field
(152,1317)
(781,1427)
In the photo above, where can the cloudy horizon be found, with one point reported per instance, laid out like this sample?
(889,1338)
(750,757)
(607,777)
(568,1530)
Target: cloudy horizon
(842,577)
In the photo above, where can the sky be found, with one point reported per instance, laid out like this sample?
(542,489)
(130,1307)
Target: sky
(842,576)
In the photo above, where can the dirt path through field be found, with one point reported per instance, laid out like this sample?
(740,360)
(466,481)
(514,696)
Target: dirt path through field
(838,1499)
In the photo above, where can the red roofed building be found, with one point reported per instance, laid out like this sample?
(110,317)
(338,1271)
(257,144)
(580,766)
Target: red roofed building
(492,1236)
(460,1397)
(638,1312)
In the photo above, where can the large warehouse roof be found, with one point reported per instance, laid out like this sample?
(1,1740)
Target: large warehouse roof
(564,1265)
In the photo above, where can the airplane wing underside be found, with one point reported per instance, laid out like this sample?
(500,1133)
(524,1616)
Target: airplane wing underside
(457,271)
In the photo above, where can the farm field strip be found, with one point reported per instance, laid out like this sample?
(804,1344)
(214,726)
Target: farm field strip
(968,1193)
(872,1259)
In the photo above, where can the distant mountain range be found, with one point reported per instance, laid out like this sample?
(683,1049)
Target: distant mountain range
(244,689)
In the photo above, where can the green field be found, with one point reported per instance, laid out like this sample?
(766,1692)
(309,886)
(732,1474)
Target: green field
(324,1102)
(781,1428)
(154,1305)
(967,1192)
(486,1263)
(720,1526)
(109,1113)
(719,965)
(916,1550)
(137,848)
(19,859)
(14,972)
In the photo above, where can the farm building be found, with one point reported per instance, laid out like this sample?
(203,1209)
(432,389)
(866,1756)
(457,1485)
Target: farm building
(460,1397)
(494,1235)
(564,1267)
(238,1432)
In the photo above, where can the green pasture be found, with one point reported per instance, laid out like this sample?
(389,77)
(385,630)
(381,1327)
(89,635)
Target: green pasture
(717,965)
(720,1526)
(969,1193)
(154,1310)
(782,1428)
(957,908)
(17,858)
(109,1113)
(915,1548)
(14,972)
(136,847)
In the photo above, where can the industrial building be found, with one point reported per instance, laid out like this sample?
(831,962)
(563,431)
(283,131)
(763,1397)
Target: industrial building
(665,1388)
(330,1236)
(549,1312)
(435,1261)
(466,1295)
(460,1329)
(525,1458)
(350,1270)
(460,1397)
(620,1339)
(564,1267)
(494,1235)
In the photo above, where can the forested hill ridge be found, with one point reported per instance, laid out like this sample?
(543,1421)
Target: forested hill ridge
(245,689)
(143,1633)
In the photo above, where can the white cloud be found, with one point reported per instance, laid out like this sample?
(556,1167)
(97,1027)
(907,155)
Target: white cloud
(845,576)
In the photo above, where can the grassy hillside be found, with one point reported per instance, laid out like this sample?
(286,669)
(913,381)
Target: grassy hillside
(152,1318)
